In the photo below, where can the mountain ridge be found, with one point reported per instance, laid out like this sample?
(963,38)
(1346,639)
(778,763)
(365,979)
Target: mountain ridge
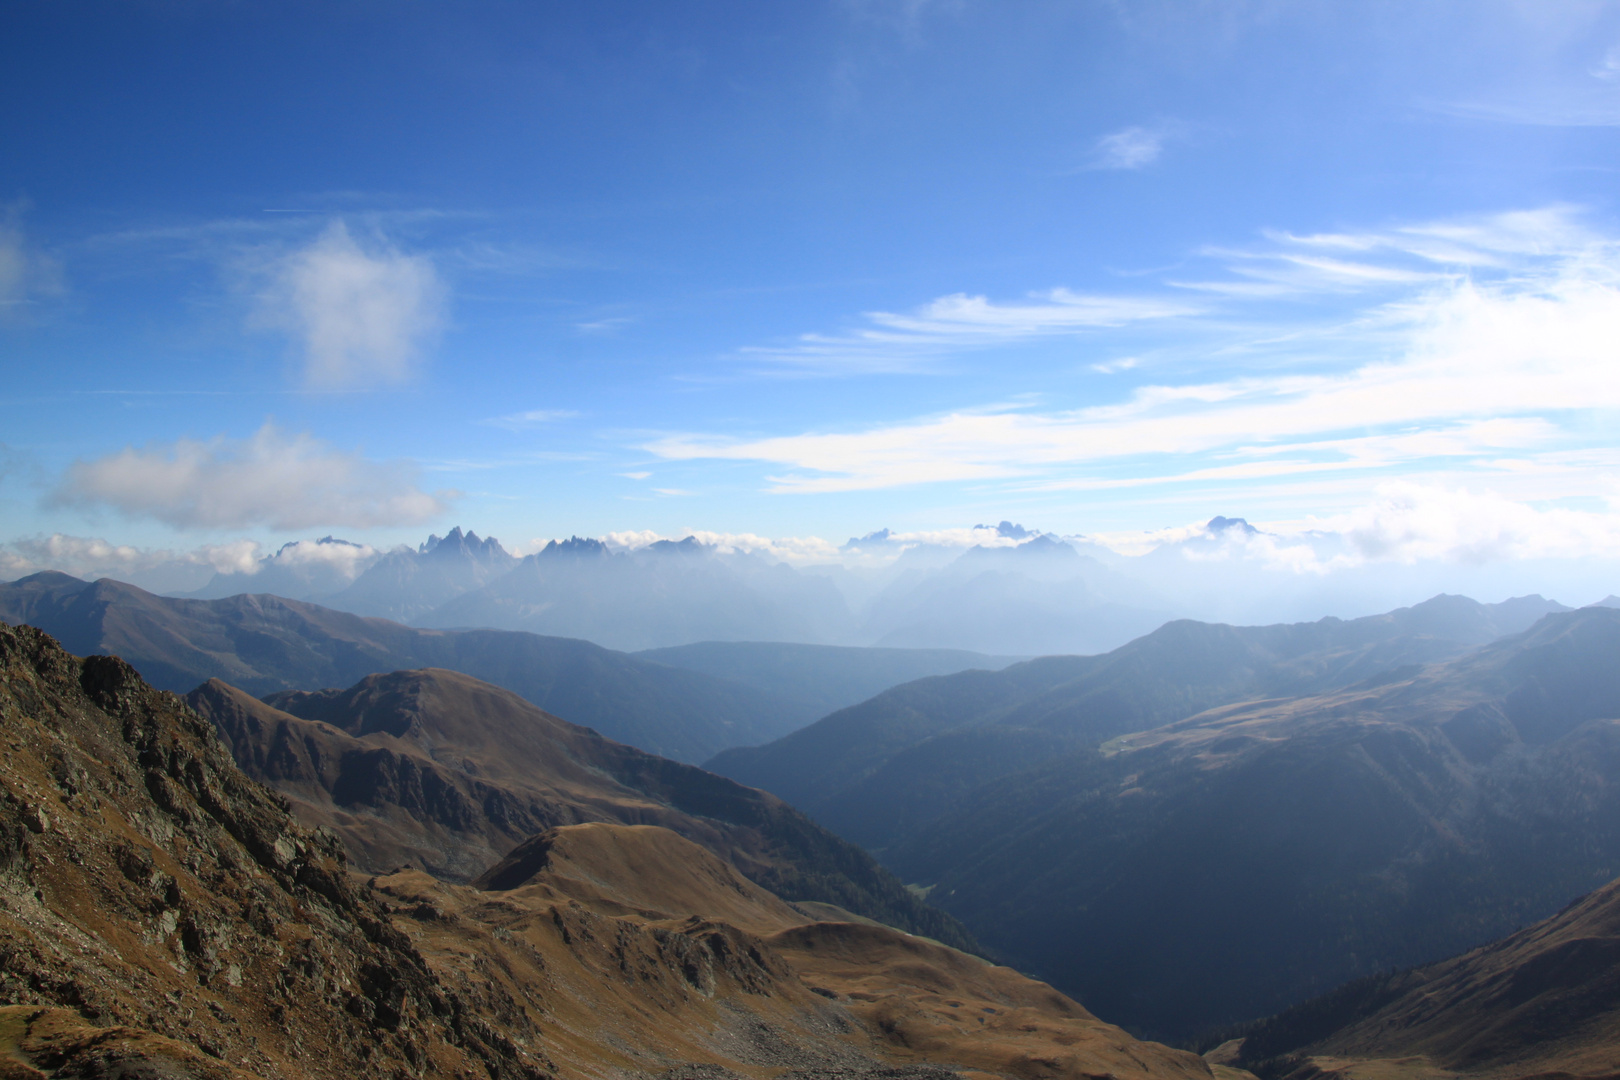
(265,644)
(875,770)
(436,768)
(1332,835)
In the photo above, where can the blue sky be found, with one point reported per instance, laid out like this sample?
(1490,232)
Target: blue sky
(808,270)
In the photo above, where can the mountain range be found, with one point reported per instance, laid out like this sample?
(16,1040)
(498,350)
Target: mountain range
(440,770)
(163,916)
(403,585)
(1040,596)
(1240,860)
(667,705)
(876,771)
(620,923)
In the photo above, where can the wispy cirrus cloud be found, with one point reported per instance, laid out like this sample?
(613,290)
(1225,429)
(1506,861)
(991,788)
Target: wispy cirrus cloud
(915,340)
(529,418)
(27,274)
(1129,148)
(269,479)
(1493,338)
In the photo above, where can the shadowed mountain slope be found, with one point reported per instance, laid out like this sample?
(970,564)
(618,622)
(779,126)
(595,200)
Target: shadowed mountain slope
(163,918)
(1246,858)
(1542,1001)
(819,679)
(442,770)
(877,771)
(265,644)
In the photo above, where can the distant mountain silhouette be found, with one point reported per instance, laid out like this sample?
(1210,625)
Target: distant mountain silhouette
(1039,597)
(301,570)
(879,770)
(436,768)
(1544,1001)
(665,594)
(403,585)
(1246,858)
(264,644)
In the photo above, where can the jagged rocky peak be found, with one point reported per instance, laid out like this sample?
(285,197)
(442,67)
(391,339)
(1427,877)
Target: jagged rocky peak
(1039,546)
(468,544)
(878,540)
(1218,525)
(689,546)
(576,546)
(325,541)
(1010,531)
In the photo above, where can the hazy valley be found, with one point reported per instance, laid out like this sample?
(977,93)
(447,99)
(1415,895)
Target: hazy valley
(1202,827)
(1057,540)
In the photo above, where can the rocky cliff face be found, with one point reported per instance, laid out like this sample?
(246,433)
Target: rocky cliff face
(150,887)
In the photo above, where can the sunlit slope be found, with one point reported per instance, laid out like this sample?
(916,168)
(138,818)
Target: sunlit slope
(662,944)
(448,773)
(1240,860)
(161,915)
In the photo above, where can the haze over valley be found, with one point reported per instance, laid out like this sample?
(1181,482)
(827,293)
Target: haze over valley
(846,540)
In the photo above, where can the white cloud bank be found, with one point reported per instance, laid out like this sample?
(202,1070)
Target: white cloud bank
(91,557)
(331,562)
(360,313)
(271,479)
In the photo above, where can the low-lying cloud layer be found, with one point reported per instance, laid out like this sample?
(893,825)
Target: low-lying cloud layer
(272,480)
(1404,545)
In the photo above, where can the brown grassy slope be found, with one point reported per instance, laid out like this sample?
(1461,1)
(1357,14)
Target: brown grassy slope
(439,770)
(1543,1000)
(162,917)
(147,884)
(639,951)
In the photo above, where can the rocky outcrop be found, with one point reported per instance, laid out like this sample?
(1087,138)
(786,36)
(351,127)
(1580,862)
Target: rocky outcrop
(148,885)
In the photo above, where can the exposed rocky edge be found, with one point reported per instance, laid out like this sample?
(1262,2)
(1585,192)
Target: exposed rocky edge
(436,769)
(640,953)
(150,887)
(1545,1000)
(36,1043)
